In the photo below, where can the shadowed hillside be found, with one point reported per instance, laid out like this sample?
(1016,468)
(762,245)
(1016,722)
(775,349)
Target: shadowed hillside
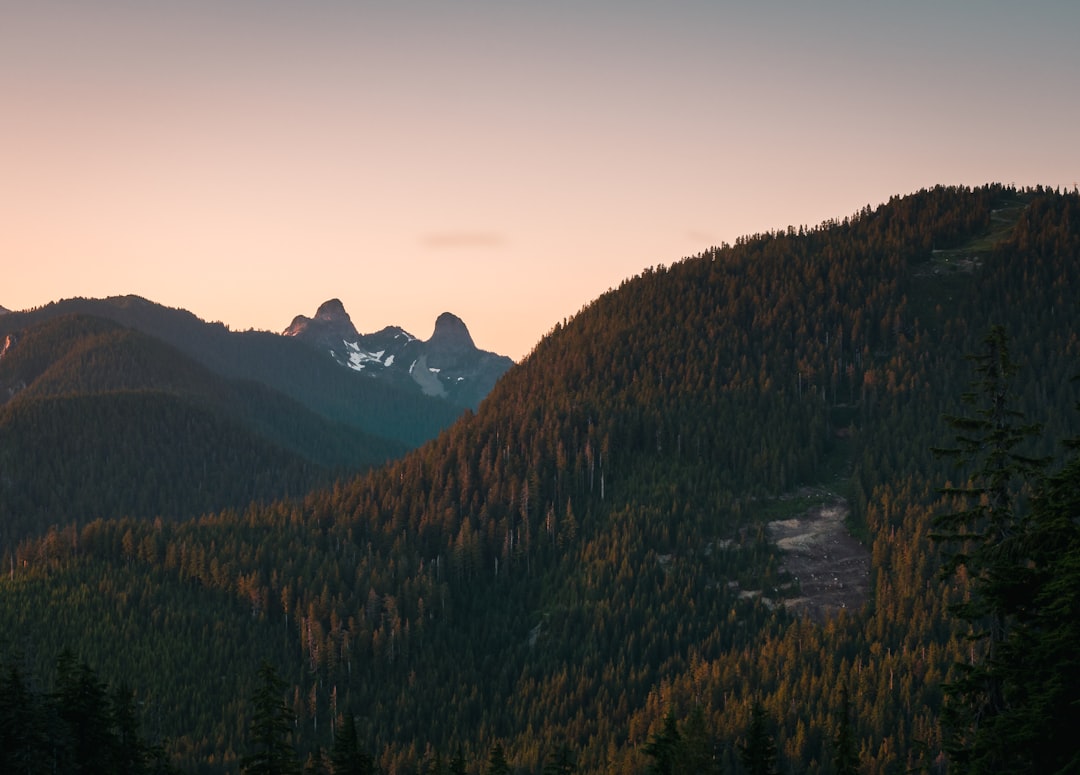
(564,567)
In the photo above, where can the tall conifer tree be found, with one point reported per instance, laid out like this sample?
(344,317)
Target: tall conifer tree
(986,538)
(271,726)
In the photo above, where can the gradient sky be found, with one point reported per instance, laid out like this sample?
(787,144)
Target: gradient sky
(506,161)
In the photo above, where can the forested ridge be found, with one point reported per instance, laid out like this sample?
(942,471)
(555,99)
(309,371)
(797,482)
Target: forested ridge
(99,420)
(279,363)
(560,571)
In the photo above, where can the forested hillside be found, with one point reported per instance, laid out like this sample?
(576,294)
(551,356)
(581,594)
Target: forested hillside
(98,420)
(280,363)
(562,572)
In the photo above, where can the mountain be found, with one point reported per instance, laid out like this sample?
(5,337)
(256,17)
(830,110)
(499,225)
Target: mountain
(593,559)
(448,365)
(282,364)
(101,420)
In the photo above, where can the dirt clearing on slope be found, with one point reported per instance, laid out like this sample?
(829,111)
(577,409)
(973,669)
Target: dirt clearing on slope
(832,568)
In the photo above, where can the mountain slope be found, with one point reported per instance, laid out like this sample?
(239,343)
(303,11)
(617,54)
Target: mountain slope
(101,420)
(587,552)
(280,363)
(448,365)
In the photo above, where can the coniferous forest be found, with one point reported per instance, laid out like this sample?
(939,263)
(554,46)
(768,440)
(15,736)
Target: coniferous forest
(580,576)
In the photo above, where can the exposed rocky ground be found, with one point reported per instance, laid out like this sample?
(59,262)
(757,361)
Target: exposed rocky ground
(831,567)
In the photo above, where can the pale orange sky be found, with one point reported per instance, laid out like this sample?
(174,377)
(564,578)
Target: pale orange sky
(505,161)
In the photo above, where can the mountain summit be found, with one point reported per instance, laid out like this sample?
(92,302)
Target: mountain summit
(448,365)
(451,334)
(330,326)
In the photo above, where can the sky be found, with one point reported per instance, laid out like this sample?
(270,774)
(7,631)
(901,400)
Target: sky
(505,161)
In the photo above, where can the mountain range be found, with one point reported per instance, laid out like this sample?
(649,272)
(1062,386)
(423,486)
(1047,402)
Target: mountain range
(605,567)
(150,411)
(448,365)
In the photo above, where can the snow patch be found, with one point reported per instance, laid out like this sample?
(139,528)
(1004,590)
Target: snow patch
(359,357)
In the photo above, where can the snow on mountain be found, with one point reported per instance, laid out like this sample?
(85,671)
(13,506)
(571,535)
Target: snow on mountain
(448,365)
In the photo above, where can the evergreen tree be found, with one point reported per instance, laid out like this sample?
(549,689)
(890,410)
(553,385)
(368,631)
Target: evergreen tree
(497,764)
(271,725)
(987,537)
(457,763)
(131,753)
(562,762)
(697,754)
(1041,663)
(347,756)
(845,751)
(663,747)
(22,740)
(83,704)
(758,753)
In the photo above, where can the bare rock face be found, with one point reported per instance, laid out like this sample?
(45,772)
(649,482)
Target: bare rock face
(330,326)
(448,365)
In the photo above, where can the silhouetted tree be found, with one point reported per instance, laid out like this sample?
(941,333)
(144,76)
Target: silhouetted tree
(270,753)
(758,752)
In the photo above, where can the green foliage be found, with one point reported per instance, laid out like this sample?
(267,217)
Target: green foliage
(270,752)
(559,565)
(664,746)
(845,752)
(105,421)
(82,726)
(282,364)
(497,764)
(561,762)
(758,751)
(1044,677)
(348,756)
(990,530)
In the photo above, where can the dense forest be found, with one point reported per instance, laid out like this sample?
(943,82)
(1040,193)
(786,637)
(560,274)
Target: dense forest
(556,582)
(280,364)
(99,420)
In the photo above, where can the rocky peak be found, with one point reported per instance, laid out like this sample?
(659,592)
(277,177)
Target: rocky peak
(329,328)
(450,335)
(447,365)
(333,311)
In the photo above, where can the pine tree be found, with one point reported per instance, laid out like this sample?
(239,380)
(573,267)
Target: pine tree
(271,725)
(663,747)
(347,756)
(21,738)
(497,764)
(83,704)
(987,538)
(1041,663)
(697,754)
(758,753)
(562,762)
(845,752)
(132,755)
(457,763)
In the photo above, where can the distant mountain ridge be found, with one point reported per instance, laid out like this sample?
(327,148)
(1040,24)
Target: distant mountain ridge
(586,558)
(281,363)
(98,419)
(449,365)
